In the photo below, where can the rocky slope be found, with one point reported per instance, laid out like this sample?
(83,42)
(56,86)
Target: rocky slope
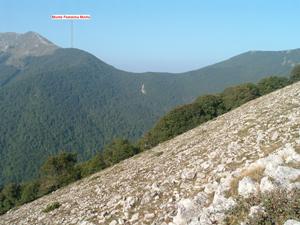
(192,179)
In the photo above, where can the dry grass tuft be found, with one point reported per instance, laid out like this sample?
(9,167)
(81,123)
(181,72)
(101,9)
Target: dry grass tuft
(255,174)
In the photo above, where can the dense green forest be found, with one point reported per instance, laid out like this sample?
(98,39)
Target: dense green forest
(73,101)
(63,168)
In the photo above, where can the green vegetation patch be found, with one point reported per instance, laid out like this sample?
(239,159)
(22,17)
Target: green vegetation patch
(51,207)
(279,206)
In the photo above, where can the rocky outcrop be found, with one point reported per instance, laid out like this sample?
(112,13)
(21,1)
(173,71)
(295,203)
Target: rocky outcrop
(223,199)
(191,179)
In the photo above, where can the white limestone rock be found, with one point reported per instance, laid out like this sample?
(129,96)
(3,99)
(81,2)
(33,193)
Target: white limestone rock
(266,185)
(292,222)
(275,136)
(149,216)
(130,202)
(294,186)
(290,155)
(114,222)
(204,219)
(134,217)
(247,187)
(255,210)
(284,174)
(185,212)
(86,223)
(201,199)
(146,198)
(211,187)
(221,204)
(188,174)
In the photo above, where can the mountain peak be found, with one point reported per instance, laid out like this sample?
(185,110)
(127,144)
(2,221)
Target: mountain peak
(18,46)
(39,38)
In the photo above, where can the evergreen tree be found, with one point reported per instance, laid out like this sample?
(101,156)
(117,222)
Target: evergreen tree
(93,165)
(118,150)
(238,95)
(29,191)
(58,171)
(272,83)
(295,74)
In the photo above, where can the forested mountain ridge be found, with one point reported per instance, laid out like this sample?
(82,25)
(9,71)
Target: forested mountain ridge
(67,99)
(250,66)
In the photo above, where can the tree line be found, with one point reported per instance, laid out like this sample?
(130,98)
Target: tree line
(63,168)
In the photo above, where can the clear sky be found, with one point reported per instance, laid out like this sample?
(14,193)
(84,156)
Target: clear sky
(161,35)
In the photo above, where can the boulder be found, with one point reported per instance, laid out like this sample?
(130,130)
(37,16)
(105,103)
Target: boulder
(266,185)
(284,174)
(186,211)
(247,187)
(292,222)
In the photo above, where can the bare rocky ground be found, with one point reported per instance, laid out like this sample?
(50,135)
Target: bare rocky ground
(189,179)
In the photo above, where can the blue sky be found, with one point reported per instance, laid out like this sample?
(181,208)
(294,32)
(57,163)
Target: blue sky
(161,35)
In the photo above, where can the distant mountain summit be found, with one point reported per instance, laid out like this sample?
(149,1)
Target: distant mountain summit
(17,46)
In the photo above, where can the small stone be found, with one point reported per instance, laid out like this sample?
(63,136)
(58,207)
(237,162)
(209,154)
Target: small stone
(129,202)
(88,223)
(113,222)
(188,174)
(275,136)
(211,188)
(126,215)
(255,210)
(149,216)
(146,198)
(121,221)
(134,217)
(205,165)
(201,199)
(155,187)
